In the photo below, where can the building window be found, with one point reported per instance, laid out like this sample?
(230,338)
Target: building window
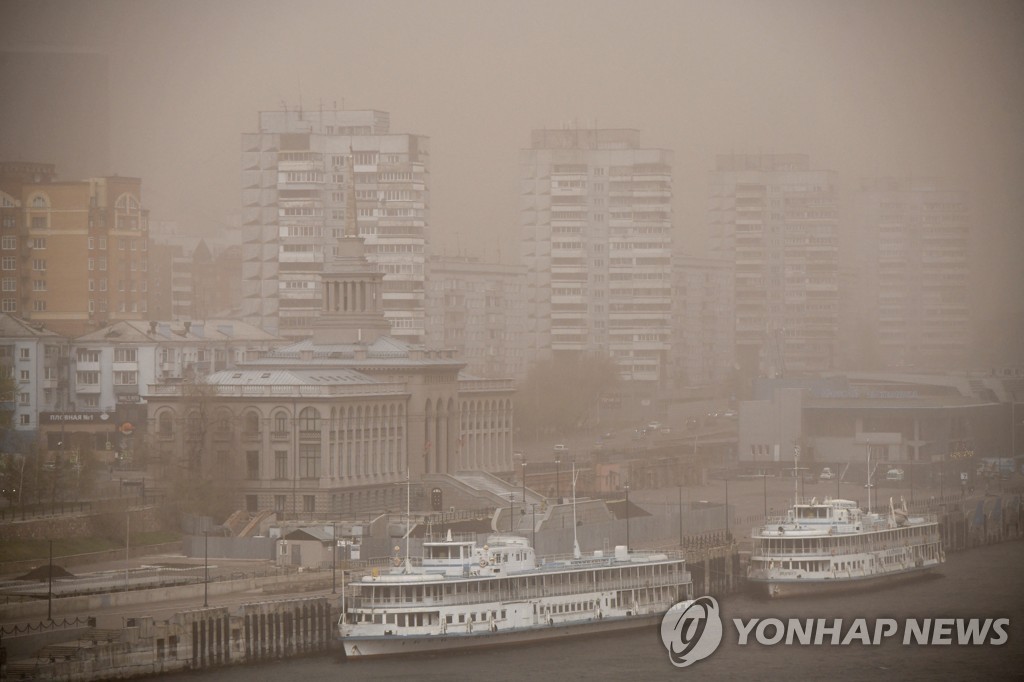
(165,425)
(9,263)
(25,420)
(252,465)
(280,464)
(24,398)
(9,242)
(126,378)
(10,284)
(37,243)
(9,305)
(309,460)
(39,285)
(39,264)
(279,502)
(24,353)
(87,378)
(125,355)
(85,355)
(24,376)
(39,306)
(309,503)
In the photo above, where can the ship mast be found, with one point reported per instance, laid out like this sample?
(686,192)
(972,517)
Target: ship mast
(575,539)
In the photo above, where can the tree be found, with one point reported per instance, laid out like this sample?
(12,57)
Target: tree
(564,394)
(198,483)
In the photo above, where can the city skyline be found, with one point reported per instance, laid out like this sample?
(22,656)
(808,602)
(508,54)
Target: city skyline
(905,90)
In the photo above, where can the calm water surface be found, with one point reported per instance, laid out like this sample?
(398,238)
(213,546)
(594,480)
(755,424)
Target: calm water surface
(983,583)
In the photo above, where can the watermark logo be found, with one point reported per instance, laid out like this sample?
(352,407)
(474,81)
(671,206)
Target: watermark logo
(691,631)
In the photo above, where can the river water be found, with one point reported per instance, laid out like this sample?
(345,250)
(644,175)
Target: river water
(982,583)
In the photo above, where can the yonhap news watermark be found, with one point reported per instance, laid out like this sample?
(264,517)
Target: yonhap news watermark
(693,630)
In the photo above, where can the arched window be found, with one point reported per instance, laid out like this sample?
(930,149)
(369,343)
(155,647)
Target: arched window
(165,424)
(40,201)
(251,423)
(309,419)
(280,422)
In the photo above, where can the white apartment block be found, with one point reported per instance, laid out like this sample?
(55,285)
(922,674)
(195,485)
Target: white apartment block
(298,174)
(913,236)
(702,322)
(477,309)
(776,219)
(36,360)
(596,227)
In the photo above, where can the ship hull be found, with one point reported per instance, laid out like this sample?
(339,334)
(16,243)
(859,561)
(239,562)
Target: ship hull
(356,647)
(777,588)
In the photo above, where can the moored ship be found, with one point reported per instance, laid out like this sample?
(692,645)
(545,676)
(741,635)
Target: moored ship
(462,595)
(834,545)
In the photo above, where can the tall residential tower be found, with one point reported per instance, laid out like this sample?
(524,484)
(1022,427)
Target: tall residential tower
(775,218)
(596,219)
(913,254)
(299,172)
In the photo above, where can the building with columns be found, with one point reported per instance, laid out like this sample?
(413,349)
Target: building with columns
(338,422)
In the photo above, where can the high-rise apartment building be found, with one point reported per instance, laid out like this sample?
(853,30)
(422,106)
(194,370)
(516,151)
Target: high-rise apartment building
(476,308)
(913,253)
(702,322)
(596,219)
(775,218)
(73,255)
(298,174)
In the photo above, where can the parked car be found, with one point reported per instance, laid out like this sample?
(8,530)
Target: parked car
(561,448)
(894,475)
(827,474)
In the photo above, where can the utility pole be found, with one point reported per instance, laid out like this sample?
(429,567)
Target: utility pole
(627,517)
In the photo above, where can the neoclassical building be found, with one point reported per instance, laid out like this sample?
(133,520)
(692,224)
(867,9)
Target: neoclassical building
(334,424)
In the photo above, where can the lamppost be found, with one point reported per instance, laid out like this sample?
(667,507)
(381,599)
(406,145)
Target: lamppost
(533,542)
(511,498)
(206,568)
(558,486)
(680,515)
(334,557)
(627,517)
(727,536)
(524,485)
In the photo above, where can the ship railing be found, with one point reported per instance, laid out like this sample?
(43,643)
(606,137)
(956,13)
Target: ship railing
(518,594)
(609,557)
(762,550)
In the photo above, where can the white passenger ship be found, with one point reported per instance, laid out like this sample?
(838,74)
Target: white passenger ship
(462,595)
(834,545)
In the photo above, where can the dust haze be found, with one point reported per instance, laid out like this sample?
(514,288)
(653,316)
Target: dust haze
(922,88)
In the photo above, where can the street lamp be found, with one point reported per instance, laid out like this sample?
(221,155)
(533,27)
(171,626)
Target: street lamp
(533,542)
(206,568)
(627,517)
(558,486)
(334,557)
(511,498)
(524,485)
(727,508)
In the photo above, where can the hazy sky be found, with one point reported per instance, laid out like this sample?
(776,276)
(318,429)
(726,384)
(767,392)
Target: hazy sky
(886,87)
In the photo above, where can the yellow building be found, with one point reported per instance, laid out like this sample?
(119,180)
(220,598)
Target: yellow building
(73,254)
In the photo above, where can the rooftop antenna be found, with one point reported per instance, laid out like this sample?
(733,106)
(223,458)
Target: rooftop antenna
(575,539)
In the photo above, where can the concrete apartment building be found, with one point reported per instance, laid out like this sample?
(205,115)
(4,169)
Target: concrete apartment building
(702,351)
(36,360)
(913,257)
(596,242)
(776,219)
(300,172)
(477,309)
(73,255)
